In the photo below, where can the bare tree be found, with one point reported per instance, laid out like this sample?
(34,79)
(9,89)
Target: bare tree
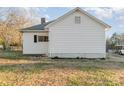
(116,39)
(10,26)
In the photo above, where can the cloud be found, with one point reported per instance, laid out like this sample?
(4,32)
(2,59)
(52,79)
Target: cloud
(101,12)
(114,13)
(120,25)
(106,13)
(120,21)
(47,16)
(34,13)
(41,12)
(118,10)
(120,18)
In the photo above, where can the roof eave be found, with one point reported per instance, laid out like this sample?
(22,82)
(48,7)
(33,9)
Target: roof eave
(33,31)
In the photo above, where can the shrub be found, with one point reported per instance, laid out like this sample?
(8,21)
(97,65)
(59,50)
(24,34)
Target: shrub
(13,44)
(1,42)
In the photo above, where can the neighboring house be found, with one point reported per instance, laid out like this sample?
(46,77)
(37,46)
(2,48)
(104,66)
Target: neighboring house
(75,34)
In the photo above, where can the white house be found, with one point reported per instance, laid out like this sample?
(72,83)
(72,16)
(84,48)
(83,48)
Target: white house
(75,34)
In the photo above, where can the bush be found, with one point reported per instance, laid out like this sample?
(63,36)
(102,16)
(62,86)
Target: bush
(13,44)
(2,42)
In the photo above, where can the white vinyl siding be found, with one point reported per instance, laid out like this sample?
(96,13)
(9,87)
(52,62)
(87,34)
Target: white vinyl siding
(77,19)
(68,38)
(31,47)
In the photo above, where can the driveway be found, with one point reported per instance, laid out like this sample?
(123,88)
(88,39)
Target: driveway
(115,57)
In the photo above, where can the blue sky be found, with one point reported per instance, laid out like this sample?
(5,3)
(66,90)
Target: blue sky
(112,16)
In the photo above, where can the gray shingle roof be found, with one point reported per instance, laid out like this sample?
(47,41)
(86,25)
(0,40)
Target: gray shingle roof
(37,27)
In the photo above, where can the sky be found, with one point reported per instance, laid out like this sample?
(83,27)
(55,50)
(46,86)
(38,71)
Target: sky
(110,15)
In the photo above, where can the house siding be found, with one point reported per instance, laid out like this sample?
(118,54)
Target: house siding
(68,39)
(29,47)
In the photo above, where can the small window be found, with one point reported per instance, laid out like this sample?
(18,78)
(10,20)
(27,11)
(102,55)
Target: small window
(77,19)
(42,38)
(35,38)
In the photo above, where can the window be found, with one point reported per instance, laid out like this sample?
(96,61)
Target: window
(42,38)
(35,38)
(46,38)
(77,19)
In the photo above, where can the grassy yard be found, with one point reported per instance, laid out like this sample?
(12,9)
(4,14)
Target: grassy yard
(16,69)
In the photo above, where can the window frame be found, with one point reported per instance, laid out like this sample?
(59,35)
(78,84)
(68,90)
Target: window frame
(77,19)
(35,39)
(43,38)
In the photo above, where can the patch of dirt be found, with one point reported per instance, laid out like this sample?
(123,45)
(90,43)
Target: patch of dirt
(14,61)
(120,76)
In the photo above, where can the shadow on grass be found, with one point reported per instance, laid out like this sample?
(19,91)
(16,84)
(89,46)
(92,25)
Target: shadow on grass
(18,55)
(30,67)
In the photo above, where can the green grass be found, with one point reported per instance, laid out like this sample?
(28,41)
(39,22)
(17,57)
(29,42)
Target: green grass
(11,54)
(16,69)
